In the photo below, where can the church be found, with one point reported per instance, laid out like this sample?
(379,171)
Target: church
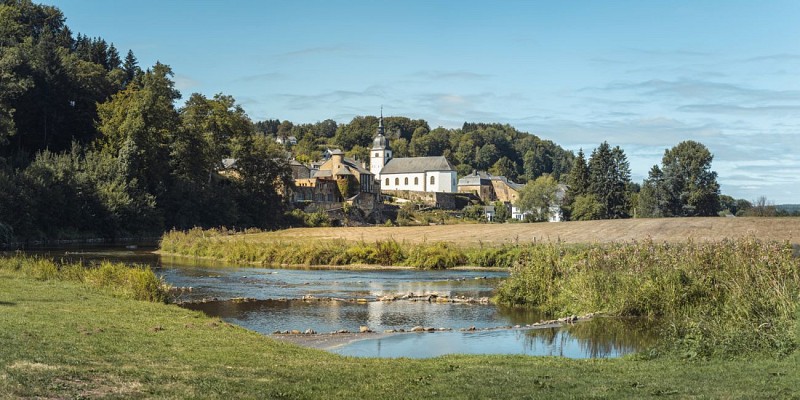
(421,174)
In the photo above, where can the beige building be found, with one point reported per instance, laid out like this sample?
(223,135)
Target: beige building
(490,188)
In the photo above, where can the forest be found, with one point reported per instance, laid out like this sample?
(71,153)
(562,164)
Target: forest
(93,145)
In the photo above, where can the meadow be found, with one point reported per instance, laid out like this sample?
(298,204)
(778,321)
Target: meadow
(67,338)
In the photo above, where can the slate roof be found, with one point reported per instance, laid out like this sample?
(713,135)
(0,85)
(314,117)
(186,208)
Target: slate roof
(417,165)
(512,184)
(476,178)
(471,180)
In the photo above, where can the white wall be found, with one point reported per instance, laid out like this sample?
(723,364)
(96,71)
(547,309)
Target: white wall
(420,186)
(444,181)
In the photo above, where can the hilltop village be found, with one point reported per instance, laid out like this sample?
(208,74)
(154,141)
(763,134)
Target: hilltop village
(356,192)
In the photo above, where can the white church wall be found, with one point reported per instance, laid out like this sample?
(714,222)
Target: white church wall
(410,181)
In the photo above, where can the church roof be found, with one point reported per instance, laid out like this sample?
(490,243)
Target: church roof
(417,164)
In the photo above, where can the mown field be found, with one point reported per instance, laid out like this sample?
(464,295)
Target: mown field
(659,230)
(63,339)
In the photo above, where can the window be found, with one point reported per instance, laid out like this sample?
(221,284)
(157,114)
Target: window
(416,180)
(387,181)
(376,155)
(405,182)
(397,181)
(433,180)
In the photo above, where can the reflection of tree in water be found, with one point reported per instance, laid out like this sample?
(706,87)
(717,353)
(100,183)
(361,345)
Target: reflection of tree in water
(598,338)
(520,315)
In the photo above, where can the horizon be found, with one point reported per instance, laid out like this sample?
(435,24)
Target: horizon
(642,76)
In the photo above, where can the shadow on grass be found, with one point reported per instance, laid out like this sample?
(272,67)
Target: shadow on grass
(7,303)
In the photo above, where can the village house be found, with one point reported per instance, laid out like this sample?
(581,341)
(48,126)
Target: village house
(490,188)
(335,181)
(286,140)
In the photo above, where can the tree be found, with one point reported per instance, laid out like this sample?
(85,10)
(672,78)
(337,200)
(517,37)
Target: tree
(141,122)
(690,185)
(113,61)
(578,178)
(265,175)
(762,207)
(538,197)
(359,131)
(586,207)
(652,199)
(504,167)
(684,186)
(131,67)
(609,176)
(501,212)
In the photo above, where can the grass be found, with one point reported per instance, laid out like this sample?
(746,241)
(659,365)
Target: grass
(731,298)
(138,282)
(237,248)
(673,230)
(64,339)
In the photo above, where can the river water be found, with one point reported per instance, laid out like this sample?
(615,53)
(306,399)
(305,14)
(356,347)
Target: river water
(267,300)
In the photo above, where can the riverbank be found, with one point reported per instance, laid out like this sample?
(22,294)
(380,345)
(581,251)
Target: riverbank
(86,343)
(438,247)
(210,261)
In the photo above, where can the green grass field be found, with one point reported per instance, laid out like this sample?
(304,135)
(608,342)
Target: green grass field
(66,340)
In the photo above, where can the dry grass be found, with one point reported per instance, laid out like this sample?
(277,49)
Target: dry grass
(675,230)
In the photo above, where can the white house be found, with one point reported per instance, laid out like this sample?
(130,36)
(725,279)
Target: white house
(555,213)
(422,174)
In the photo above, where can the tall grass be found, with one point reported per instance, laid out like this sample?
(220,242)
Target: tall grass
(727,297)
(222,244)
(139,283)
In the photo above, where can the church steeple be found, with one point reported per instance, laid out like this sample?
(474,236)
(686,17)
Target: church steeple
(380,123)
(380,152)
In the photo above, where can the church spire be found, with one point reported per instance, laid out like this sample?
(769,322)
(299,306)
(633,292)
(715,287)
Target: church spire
(380,123)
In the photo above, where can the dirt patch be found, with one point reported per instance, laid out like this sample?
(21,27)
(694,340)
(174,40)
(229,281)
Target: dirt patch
(31,366)
(327,341)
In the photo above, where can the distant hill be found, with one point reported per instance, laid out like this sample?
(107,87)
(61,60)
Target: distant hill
(789,208)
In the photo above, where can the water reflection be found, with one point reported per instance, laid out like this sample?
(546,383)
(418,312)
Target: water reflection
(327,316)
(599,338)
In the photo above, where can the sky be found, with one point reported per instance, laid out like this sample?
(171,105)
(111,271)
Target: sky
(642,75)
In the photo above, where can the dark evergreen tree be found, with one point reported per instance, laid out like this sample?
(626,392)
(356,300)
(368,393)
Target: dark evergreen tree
(609,176)
(131,67)
(113,61)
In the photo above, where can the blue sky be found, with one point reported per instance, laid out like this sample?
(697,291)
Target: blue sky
(644,75)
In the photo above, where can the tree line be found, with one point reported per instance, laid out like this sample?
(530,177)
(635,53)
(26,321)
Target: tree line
(92,145)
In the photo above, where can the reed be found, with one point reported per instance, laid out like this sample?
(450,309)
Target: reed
(132,282)
(728,297)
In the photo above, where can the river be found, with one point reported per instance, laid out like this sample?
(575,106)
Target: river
(269,300)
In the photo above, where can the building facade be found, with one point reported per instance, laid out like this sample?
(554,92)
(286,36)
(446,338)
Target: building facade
(421,174)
